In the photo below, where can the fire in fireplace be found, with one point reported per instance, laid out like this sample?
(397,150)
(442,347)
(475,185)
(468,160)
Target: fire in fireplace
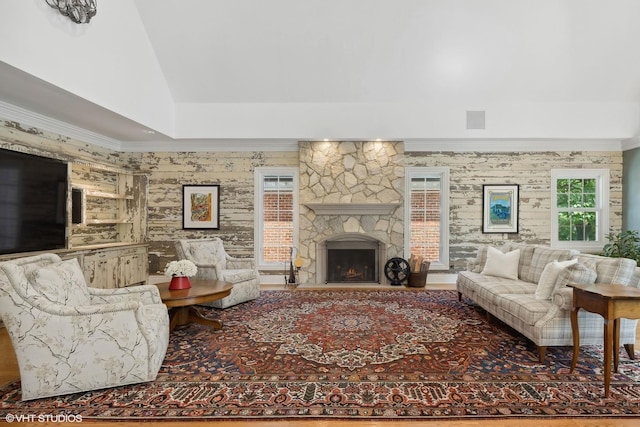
(351,265)
(352,262)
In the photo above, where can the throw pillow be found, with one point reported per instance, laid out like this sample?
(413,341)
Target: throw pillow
(576,273)
(61,283)
(547,281)
(501,265)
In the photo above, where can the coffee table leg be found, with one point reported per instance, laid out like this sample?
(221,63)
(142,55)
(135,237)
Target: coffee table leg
(182,316)
(196,317)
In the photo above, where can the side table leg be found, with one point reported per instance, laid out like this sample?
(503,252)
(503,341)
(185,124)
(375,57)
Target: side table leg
(608,351)
(616,344)
(576,337)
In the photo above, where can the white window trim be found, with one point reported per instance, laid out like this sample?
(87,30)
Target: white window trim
(259,175)
(443,174)
(602,207)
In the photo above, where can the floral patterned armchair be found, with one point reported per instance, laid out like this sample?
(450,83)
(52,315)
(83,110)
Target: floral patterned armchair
(214,263)
(70,338)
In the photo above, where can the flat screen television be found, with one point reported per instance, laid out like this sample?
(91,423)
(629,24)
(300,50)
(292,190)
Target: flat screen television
(33,196)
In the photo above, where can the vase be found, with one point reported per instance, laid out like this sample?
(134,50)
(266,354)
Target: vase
(179,282)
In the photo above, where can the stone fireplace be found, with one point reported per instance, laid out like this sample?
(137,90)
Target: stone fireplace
(351,199)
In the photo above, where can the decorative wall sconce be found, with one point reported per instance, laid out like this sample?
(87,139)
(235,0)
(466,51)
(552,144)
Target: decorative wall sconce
(79,11)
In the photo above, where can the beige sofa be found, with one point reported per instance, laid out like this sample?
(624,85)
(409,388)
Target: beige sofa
(532,297)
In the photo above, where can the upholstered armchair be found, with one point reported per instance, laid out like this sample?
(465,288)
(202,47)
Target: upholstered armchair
(214,263)
(70,338)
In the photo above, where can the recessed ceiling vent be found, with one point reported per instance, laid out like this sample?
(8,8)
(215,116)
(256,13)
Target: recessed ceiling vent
(475,120)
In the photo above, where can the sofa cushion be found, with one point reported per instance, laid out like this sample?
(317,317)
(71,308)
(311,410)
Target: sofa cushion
(480,259)
(611,270)
(543,256)
(524,263)
(501,265)
(61,283)
(547,282)
(525,307)
(490,288)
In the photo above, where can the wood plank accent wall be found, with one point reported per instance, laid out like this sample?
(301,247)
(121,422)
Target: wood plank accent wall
(532,171)
(233,171)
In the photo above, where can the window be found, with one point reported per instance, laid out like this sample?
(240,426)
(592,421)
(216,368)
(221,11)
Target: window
(276,215)
(427,215)
(579,208)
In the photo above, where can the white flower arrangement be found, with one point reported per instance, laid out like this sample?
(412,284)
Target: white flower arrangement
(184,267)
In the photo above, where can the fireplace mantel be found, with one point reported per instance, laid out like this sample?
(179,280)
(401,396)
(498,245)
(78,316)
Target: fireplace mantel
(352,208)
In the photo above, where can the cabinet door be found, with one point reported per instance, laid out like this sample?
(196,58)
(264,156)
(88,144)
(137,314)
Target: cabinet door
(102,272)
(133,269)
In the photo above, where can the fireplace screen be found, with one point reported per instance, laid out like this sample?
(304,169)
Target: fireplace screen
(351,265)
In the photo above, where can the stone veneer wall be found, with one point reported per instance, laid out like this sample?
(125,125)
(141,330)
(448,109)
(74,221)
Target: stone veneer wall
(350,172)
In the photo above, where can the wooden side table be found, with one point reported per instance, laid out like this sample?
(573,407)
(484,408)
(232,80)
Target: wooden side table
(181,302)
(612,302)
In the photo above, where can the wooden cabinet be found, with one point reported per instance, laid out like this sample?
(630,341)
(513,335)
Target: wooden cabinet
(115,267)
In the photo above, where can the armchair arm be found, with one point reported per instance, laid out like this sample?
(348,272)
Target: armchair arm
(146,294)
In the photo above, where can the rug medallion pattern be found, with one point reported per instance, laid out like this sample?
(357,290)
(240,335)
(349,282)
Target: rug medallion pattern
(402,354)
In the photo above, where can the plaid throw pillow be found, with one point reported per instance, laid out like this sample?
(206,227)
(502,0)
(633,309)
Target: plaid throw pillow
(575,273)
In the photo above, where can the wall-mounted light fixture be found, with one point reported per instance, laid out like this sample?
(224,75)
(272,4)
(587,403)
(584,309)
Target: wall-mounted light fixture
(79,11)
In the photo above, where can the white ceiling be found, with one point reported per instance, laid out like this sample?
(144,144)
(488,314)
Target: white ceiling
(396,50)
(456,53)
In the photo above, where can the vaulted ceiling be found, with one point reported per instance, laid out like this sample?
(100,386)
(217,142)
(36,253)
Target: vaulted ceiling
(296,69)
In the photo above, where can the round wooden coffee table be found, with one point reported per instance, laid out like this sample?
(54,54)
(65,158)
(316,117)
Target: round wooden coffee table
(181,302)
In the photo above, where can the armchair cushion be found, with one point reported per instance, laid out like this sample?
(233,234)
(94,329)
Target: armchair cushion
(62,282)
(235,276)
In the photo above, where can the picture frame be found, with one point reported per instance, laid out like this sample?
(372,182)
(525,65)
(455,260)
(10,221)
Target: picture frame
(500,203)
(201,206)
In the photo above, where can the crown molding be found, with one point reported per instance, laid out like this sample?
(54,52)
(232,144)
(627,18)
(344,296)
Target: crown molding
(29,118)
(630,144)
(211,145)
(513,145)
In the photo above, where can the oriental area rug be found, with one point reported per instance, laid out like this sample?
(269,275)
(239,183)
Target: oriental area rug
(355,354)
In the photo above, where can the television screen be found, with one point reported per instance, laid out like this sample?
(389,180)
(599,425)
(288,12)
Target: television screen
(33,193)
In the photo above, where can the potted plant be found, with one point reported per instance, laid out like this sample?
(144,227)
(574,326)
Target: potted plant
(625,244)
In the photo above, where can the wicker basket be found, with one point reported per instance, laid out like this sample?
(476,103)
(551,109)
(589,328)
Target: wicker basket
(419,279)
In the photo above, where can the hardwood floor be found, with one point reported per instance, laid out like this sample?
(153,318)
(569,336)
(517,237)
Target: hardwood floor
(9,372)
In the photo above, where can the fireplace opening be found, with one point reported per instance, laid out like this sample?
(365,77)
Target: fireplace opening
(351,265)
(352,262)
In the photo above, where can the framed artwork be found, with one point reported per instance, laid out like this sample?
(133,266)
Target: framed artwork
(201,206)
(500,208)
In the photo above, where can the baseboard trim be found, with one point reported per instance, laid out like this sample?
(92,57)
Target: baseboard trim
(432,278)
